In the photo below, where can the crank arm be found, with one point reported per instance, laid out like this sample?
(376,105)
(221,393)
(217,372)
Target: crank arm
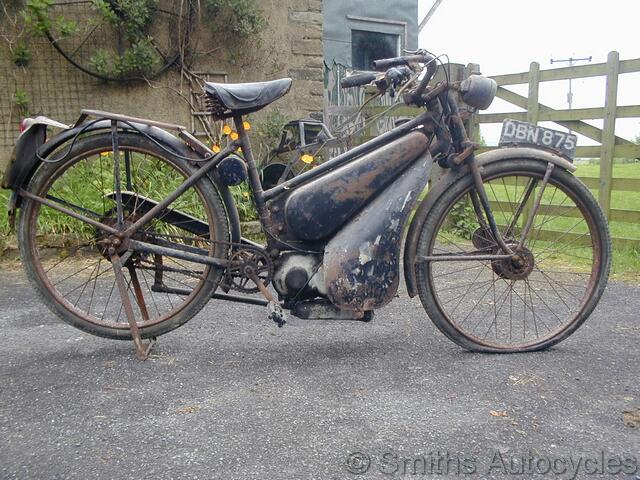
(275,310)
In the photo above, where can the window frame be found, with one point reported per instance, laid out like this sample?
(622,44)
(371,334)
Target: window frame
(398,44)
(379,25)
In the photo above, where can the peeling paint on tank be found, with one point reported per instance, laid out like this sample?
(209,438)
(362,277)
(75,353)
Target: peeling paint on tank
(365,253)
(407,198)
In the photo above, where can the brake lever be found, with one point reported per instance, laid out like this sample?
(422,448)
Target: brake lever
(398,75)
(392,79)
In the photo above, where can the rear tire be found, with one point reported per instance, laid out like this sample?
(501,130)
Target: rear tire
(77,244)
(447,295)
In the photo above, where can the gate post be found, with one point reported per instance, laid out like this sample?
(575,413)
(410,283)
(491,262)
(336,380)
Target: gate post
(473,124)
(533,111)
(533,107)
(607,153)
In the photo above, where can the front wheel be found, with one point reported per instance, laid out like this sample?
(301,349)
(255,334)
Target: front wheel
(549,288)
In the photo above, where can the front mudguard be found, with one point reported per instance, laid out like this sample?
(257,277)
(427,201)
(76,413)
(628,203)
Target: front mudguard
(447,180)
(32,145)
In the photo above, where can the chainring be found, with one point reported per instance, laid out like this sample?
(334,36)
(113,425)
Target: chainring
(248,257)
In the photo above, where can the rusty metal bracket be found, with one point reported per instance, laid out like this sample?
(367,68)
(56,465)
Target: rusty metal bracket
(484,201)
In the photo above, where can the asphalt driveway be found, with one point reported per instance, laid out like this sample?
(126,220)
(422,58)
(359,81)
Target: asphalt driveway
(232,396)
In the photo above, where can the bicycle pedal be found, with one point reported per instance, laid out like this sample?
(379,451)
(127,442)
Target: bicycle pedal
(276,314)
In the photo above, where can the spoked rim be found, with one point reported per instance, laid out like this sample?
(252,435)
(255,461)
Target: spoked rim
(80,275)
(514,305)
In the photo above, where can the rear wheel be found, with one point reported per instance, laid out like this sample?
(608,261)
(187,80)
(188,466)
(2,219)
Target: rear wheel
(68,263)
(545,292)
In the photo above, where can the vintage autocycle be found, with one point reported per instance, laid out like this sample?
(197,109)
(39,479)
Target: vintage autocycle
(127,231)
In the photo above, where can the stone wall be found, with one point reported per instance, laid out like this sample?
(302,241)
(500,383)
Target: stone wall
(291,45)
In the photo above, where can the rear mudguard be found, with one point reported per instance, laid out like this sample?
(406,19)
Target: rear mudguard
(24,161)
(447,180)
(361,263)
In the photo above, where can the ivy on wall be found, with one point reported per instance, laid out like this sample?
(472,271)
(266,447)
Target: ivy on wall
(133,18)
(137,53)
(240,17)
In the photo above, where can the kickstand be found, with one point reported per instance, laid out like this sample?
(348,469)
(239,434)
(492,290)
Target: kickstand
(142,350)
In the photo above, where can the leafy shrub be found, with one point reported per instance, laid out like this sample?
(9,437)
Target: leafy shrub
(39,22)
(134,15)
(461,219)
(21,100)
(242,17)
(102,61)
(137,59)
(36,16)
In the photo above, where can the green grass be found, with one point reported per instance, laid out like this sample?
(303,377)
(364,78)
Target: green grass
(620,170)
(626,262)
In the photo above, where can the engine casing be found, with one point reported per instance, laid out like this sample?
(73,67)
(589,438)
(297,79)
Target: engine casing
(295,271)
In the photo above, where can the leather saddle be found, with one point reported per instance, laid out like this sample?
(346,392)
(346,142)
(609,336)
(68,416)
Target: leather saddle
(230,99)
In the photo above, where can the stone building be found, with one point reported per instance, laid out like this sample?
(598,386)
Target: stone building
(290,45)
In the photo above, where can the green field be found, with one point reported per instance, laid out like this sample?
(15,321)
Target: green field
(626,263)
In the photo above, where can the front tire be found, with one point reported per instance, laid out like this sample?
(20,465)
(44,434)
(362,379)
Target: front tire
(489,306)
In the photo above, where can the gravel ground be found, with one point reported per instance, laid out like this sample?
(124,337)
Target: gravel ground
(230,395)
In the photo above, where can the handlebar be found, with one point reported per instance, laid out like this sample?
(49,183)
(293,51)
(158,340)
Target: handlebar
(386,63)
(406,63)
(357,80)
(442,119)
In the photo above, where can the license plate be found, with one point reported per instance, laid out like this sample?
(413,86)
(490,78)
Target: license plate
(515,132)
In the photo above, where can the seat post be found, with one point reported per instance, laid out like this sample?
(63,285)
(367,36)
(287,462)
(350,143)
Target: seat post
(254,176)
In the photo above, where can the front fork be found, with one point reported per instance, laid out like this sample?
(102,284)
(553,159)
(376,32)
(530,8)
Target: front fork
(479,198)
(481,205)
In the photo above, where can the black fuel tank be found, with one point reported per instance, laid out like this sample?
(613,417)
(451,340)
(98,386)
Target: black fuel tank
(321,207)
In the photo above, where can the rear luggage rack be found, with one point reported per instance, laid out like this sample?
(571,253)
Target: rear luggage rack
(183,132)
